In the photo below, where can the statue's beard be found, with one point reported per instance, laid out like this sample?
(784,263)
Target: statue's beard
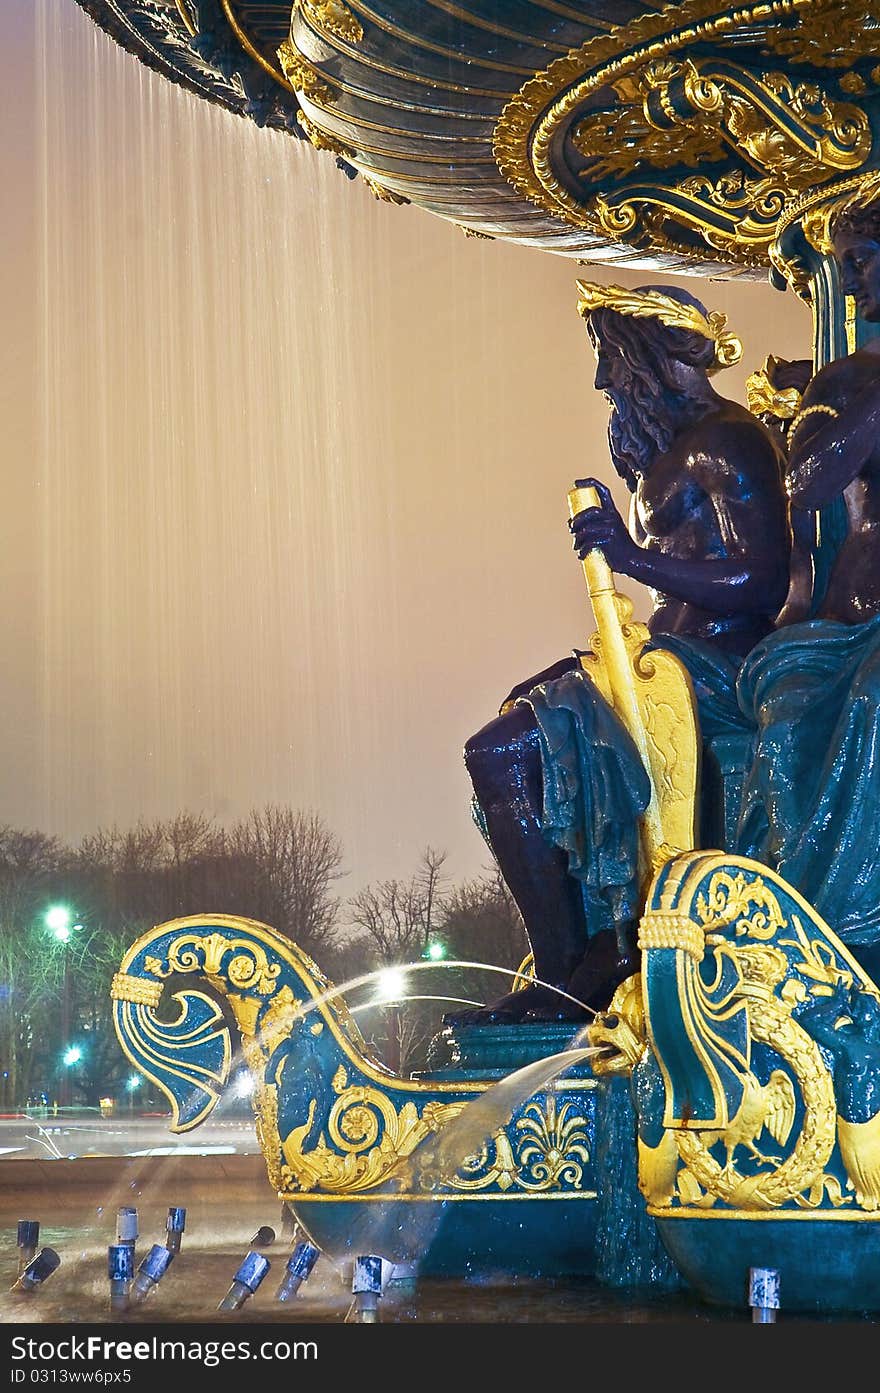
(642,425)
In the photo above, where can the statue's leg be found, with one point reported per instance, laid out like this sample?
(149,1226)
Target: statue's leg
(504,763)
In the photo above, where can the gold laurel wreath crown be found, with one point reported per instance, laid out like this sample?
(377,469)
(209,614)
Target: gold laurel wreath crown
(866,193)
(653,304)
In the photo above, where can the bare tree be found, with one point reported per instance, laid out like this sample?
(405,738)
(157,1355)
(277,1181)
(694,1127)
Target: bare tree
(147,874)
(394,921)
(397,917)
(31,868)
(277,865)
(299,859)
(102,1068)
(481,921)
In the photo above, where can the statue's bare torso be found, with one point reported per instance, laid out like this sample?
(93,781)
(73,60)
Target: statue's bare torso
(699,504)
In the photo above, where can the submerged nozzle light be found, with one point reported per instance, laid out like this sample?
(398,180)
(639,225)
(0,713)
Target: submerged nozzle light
(37,1270)
(151,1271)
(263,1237)
(298,1268)
(120,1270)
(174,1227)
(28,1237)
(367,1286)
(245,1282)
(763,1294)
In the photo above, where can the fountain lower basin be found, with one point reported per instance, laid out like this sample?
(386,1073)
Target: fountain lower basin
(508,1158)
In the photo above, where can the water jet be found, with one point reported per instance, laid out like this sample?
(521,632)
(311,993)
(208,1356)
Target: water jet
(120,1270)
(28,1237)
(127,1226)
(150,1272)
(366,1286)
(264,1237)
(174,1227)
(763,1294)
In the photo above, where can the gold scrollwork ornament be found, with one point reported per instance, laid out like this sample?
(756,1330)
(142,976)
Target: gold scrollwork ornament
(249,969)
(771,1105)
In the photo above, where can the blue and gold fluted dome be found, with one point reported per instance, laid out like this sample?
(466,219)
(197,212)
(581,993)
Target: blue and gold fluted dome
(675,139)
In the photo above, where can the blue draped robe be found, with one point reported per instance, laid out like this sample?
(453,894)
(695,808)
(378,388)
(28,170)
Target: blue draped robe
(807,699)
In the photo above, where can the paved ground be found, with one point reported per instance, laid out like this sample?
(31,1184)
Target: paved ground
(227,1199)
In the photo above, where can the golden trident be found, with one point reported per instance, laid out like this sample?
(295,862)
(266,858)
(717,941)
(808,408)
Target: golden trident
(617,662)
(652,695)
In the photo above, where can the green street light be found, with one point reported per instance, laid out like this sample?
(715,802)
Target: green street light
(58,920)
(134,1082)
(72,1055)
(435,951)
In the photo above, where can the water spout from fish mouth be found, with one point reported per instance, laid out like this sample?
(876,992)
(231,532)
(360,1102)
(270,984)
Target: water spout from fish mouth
(403,1230)
(438,1159)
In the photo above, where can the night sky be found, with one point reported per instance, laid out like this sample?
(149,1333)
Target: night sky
(285,468)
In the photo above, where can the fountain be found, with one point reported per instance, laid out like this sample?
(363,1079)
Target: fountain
(737,1068)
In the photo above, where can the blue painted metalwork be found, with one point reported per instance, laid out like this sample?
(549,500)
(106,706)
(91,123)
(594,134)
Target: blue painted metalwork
(358,1152)
(782,1168)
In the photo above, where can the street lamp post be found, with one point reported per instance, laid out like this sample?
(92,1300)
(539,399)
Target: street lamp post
(132,1085)
(59,921)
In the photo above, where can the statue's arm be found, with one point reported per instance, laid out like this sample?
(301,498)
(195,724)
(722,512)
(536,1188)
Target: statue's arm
(829,447)
(743,568)
(745,583)
(801,571)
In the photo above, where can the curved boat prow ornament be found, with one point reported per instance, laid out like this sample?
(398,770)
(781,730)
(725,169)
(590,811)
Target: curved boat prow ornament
(368,1160)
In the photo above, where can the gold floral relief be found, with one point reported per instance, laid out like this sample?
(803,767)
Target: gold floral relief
(333,17)
(303,76)
(247,970)
(371,1136)
(367,1141)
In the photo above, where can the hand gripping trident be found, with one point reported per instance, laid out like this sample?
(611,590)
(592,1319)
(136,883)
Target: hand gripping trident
(653,699)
